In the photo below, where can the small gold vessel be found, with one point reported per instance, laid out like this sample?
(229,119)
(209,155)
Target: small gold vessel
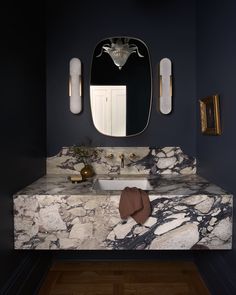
(87,171)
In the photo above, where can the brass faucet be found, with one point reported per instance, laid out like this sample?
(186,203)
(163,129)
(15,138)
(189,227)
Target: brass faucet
(122,157)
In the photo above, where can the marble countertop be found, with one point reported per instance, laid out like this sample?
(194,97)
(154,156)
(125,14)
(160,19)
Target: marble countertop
(53,184)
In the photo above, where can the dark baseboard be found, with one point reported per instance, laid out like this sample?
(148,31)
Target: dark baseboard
(218,275)
(28,275)
(129,255)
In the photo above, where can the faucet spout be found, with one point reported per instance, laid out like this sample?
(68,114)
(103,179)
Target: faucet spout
(122,158)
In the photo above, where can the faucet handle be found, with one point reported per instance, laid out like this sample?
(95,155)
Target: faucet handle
(132,156)
(122,158)
(109,156)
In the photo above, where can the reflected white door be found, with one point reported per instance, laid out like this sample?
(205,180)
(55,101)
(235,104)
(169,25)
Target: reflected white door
(108,104)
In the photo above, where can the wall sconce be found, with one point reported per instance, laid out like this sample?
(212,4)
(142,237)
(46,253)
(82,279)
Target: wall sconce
(75,91)
(165,99)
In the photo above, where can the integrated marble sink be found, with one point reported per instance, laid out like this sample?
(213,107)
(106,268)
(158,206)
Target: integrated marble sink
(120,184)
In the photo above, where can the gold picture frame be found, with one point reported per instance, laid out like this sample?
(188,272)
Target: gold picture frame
(210,115)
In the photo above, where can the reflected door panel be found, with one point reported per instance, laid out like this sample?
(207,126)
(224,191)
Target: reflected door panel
(108,104)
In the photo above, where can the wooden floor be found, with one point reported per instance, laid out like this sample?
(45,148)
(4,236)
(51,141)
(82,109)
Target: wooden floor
(123,278)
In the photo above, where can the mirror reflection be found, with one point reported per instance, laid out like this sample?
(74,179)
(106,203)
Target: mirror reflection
(120,86)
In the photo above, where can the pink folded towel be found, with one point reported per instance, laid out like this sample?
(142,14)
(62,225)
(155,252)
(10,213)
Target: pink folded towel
(134,202)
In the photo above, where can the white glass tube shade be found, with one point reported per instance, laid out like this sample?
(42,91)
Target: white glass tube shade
(165,97)
(75,86)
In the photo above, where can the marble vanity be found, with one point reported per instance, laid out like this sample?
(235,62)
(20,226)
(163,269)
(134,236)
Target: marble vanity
(188,212)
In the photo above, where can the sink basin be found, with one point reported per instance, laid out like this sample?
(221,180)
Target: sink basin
(120,184)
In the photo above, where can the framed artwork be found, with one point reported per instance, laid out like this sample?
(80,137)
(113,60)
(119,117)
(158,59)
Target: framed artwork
(210,115)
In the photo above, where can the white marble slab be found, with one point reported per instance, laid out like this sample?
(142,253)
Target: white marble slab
(161,184)
(147,160)
(188,212)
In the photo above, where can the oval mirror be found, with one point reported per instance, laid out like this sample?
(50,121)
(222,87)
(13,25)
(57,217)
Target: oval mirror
(120,86)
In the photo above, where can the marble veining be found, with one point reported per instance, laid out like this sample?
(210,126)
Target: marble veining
(147,160)
(178,223)
(161,185)
(188,212)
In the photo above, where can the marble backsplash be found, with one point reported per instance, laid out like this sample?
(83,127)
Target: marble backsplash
(137,160)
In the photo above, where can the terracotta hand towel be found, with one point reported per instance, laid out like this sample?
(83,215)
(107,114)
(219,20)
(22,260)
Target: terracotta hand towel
(134,202)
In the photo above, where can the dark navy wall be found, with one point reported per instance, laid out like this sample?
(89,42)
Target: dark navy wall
(74,27)
(216,64)
(73,30)
(22,128)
